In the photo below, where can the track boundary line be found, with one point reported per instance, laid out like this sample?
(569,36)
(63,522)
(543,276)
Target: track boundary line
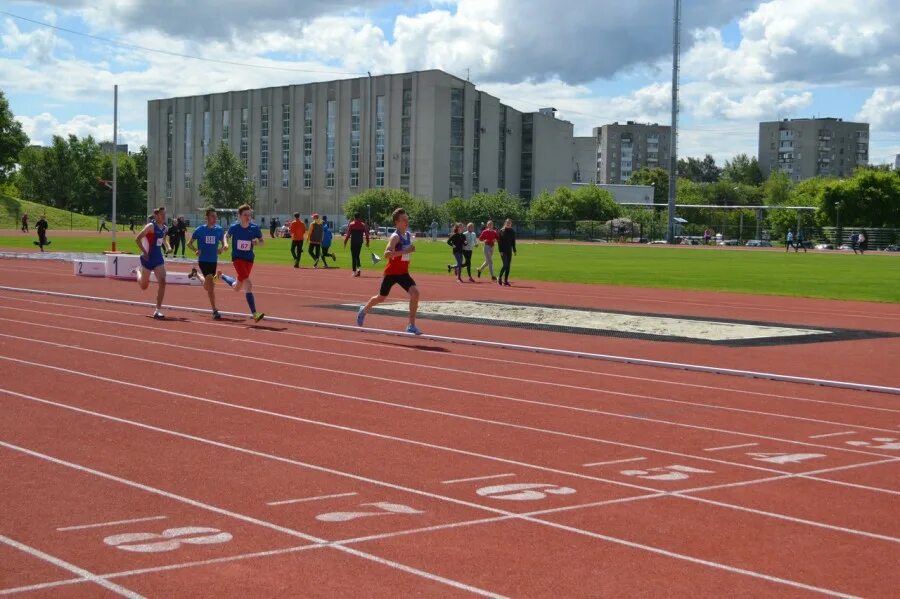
(113,523)
(503,345)
(599,391)
(464,356)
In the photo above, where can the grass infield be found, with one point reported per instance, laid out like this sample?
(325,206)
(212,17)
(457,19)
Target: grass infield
(831,275)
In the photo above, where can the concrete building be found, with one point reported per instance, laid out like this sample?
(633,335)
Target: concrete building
(806,148)
(107,147)
(623,149)
(311,147)
(897,163)
(584,160)
(624,194)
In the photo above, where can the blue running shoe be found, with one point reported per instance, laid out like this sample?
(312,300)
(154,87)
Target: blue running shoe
(360,316)
(413,329)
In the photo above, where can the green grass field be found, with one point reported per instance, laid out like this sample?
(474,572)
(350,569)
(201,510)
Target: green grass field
(12,209)
(815,274)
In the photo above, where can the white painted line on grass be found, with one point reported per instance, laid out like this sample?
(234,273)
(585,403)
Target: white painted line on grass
(110,586)
(500,345)
(833,435)
(614,462)
(474,478)
(305,499)
(723,448)
(101,524)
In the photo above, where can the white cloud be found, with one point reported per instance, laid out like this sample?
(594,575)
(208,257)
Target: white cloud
(42,127)
(37,46)
(882,109)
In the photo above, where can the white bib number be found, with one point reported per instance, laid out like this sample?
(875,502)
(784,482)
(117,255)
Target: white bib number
(244,245)
(210,240)
(159,242)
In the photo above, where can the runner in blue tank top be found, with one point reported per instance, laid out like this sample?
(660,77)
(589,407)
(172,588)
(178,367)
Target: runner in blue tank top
(151,241)
(208,241)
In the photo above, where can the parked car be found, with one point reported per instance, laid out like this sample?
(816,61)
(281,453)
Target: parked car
(729,242)
(758,243)
(343,230)
(845,246)
(892,248)
(824,246)
(657,242)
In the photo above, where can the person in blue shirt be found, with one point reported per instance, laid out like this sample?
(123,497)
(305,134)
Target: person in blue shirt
(327,238)
(151,241)
(208,241)
(244,235)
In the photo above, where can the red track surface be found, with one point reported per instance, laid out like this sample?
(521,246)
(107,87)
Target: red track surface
(312,471)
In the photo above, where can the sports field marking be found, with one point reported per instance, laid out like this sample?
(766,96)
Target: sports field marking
(419,443)
(614,462)
(59,563)
(456,584)
(455,369)
(474,478)
(501,345)
(833,435)
(114,523)
(307,499)
(723,448)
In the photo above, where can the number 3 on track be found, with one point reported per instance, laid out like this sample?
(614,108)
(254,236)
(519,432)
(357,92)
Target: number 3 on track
(523,491)
(667,473)
(168,540)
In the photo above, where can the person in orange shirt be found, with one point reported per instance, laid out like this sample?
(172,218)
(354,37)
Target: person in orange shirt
(298,232)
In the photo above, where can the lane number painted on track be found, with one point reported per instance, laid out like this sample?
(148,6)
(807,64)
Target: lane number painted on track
(785,458)
(168,540)
(523,491)
(383,508)
(877,443)
(667,473)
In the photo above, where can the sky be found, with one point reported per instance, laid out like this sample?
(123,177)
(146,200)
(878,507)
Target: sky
(596,61)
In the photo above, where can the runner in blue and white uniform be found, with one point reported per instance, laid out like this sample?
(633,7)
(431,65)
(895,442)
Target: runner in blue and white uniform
(208,241)
(151,241)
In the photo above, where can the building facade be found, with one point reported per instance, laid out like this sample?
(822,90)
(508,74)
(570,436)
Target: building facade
(807,148)
(623,149)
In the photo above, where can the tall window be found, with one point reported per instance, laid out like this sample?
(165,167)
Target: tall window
(226,124)
(501,154)
(285,145)
(476,146)
(188,150)
(457,140)
(379,141)
(206,133)
(245,134)
(330,110)
(264,147)
(525,184)
(170,141)
(354,142)
(406,135)
(307,145)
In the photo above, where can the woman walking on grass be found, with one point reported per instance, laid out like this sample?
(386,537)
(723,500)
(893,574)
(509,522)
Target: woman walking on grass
(471,242)
(457,241)
(507,245)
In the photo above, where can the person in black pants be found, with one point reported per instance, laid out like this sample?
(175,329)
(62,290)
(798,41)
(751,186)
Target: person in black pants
(507,245)
(356,231)
(457,241)
(41,227)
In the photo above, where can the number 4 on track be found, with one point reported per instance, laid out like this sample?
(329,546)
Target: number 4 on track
(785,458)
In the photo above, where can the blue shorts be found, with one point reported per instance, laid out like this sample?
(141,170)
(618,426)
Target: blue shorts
(153,262)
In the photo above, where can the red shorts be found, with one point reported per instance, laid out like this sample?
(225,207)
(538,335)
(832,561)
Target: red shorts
(242,268)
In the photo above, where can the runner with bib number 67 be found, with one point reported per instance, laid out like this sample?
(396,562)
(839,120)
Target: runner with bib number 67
(244,235)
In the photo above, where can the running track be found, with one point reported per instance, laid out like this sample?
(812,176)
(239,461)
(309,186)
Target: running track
(300,467)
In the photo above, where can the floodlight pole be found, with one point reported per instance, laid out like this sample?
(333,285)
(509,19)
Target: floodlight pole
(673,152)
(115,160)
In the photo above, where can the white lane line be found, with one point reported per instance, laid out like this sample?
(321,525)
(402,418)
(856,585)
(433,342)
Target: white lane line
(724,447)
(462,370)
(614,462)
(244,518)
(305,499)
(101,524)
(833,435)
(89,576)
(396,565)
(474,478)
(503,345)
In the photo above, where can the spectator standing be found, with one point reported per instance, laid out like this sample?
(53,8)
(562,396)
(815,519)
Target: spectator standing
(854,242)
(273,226)
(298,231)
(356,231)
(471,243)
(863,242)
(789,241)
(434,228)
(172,235)
(507,245)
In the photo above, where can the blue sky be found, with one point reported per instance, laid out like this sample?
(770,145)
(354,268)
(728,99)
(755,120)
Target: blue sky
(596,60)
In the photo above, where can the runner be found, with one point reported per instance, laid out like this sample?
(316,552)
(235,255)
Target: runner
(41,226)
(356,230)
(314,237)
(211,240)
(457,241)
(489,236)
(25,223)
(471,243)
(298,230)
(245,234)
(102,225)
(327,239)
(507,245)
(399,248)
(151,241)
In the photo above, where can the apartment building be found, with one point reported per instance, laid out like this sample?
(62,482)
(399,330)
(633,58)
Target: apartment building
(623,149)
(807,148)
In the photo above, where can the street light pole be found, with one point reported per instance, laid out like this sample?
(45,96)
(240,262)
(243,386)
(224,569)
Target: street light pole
(115,160)
(837,206)
(673,152)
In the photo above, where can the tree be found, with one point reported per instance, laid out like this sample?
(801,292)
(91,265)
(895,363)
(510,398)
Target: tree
(699,171)
(657,177)
(483,207)
(12,140)
(777,189)
(593,203)
(743,169)
(380,203)
(422,214)
(870,198)
(225,181)
(553,207)
(131,197)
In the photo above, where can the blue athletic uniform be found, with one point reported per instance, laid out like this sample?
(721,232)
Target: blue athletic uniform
(208,240)
(242,241)
(155,239)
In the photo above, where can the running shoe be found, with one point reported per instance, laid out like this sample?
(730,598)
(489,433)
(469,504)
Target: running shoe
(358,273)
(216,315)
(192,274)
(360,316)
(158,315)
(449,268)
(471,280)
(413,329)
(506,284)
(257,316)
(479,273)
